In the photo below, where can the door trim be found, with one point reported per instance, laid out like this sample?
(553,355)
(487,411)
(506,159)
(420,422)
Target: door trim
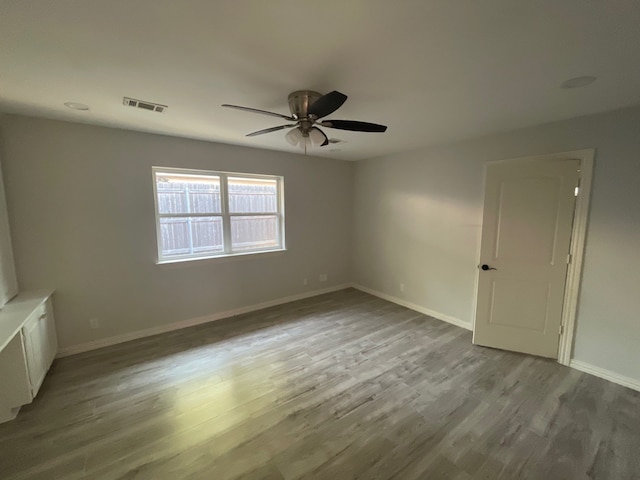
(578,238)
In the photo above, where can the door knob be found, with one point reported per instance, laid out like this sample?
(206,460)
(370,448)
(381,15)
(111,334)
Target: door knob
(486,267)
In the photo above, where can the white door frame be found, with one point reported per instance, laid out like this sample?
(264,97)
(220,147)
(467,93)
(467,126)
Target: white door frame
(578,237)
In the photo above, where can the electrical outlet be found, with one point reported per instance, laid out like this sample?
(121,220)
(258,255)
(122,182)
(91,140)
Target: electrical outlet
(305,281)
(323,277)
(402,287)
(94,322)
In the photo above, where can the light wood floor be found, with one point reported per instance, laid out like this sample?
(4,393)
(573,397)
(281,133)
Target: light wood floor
(340,386)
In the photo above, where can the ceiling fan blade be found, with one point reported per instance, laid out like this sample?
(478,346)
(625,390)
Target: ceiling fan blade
(263,112)
(326,139)
(354,125)
(327,104)
(269,130)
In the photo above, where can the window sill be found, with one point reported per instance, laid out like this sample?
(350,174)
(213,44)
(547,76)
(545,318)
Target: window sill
(178,262)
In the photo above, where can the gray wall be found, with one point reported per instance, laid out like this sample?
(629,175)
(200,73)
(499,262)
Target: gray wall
(418,219)
(82,220)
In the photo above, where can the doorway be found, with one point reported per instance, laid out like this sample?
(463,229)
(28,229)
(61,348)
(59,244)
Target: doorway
(530,260)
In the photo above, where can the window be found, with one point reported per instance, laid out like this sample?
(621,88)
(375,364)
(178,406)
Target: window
(201,214)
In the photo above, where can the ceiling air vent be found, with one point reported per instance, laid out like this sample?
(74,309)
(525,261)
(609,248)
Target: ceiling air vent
(143,104)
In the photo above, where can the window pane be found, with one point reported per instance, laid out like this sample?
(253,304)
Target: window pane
(186,193)
(174,236)
(254,232)
(253,195)
(207,234)
(191,235)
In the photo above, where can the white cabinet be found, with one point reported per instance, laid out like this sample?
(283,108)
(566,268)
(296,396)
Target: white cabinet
(28,345)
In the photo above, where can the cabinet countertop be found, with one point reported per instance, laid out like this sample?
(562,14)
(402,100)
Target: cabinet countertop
(16,312)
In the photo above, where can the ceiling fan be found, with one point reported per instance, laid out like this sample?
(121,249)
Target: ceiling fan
(307,109)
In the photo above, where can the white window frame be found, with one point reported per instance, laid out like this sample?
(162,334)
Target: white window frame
(225,214)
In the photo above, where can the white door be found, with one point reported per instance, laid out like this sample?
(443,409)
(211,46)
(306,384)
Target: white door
(526,238)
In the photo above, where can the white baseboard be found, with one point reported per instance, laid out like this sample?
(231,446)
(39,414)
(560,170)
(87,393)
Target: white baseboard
(432,313)
(106,342)
(606,374)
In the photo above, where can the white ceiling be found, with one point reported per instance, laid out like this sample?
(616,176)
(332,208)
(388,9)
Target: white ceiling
(433,71)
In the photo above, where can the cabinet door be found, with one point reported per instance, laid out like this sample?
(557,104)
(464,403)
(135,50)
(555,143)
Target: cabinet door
(40,343)
(33,340)
(50,336)
(15,384)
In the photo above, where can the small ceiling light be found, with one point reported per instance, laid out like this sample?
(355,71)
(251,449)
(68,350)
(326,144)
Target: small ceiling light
(76,106)
(578,82)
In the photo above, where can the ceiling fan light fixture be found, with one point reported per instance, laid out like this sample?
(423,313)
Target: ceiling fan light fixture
(294,137)
(316,137)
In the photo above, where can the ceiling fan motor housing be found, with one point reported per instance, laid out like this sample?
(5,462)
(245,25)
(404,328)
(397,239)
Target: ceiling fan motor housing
(300,101)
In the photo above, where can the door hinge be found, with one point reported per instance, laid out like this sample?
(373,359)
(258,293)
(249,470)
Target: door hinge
(569,258)
(561,329)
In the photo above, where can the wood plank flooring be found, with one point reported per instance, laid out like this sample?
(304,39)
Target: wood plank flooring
(339,386)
